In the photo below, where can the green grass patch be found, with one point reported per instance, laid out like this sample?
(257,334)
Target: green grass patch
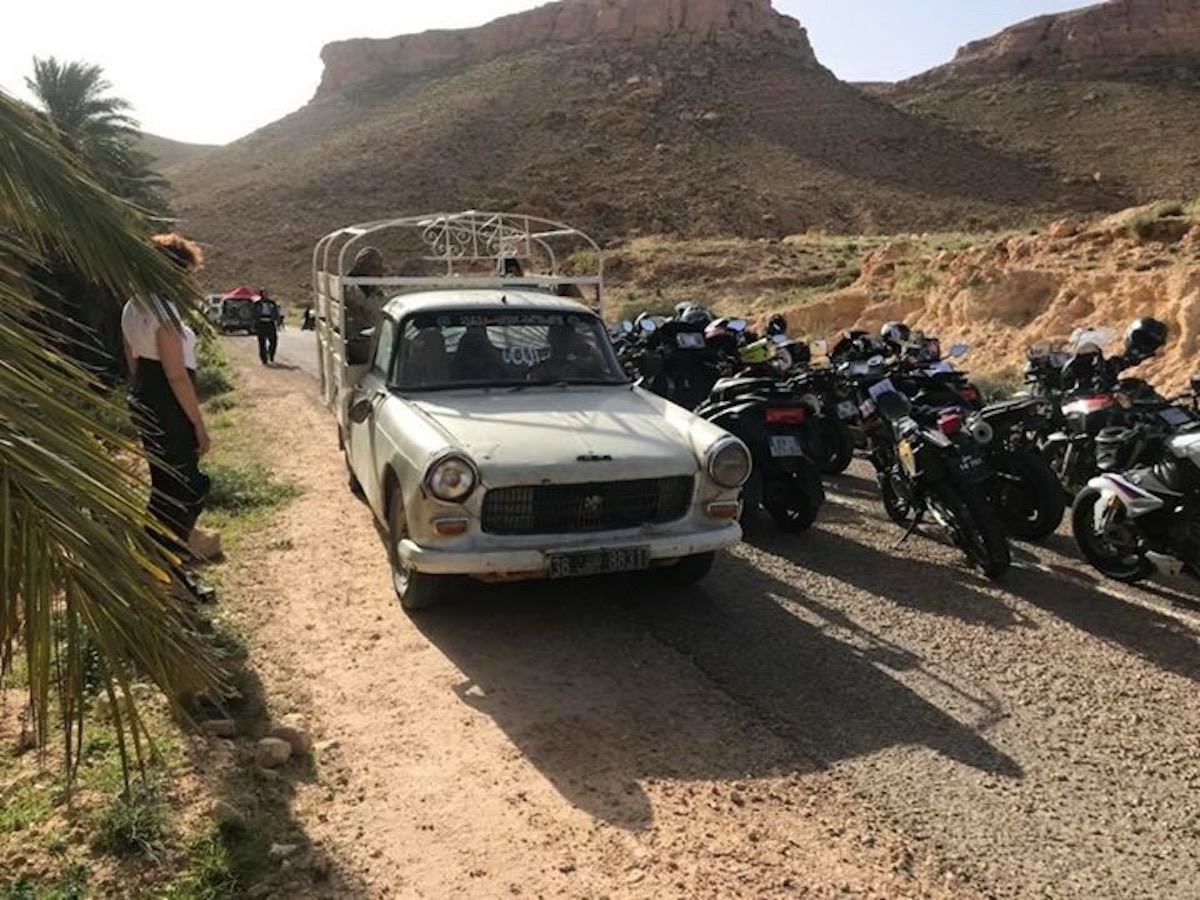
(71,885)
(247,488)
(133,823)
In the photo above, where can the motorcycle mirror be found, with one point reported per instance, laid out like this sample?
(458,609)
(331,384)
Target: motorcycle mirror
(780,339)
(737,324)
(1098,337)
(957,350)
(649,326)
(625,326)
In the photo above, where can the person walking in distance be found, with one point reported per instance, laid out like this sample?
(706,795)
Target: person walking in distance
(266,326)
(160,349)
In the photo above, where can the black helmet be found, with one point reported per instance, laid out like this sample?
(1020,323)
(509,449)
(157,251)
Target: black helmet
(777,324)
(696,315)
(896,332)
(1144,337)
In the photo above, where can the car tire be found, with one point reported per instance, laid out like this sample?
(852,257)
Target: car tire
(414,590)
(689,570)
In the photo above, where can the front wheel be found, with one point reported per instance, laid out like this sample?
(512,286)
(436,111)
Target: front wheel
(977,531)
(1116,550)
(415,590)
(837,446)
(793,499)
(1026,494)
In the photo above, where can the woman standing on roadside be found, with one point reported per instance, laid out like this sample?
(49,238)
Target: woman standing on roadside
(161,351)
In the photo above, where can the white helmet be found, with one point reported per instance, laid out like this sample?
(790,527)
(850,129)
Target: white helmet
(896,332)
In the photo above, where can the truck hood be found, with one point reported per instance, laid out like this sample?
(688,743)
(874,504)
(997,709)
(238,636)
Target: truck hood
(563,434)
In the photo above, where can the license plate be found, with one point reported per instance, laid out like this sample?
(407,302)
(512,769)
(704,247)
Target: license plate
(847,410)
(785,445)
(599,562)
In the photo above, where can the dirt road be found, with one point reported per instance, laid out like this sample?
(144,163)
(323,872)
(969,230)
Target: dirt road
(824,716)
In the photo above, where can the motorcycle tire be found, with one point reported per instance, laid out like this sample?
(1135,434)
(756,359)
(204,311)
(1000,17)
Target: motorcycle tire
(1119,561)
(980,534)
(794,499)
(837,445)
(1026,494)
(897,508)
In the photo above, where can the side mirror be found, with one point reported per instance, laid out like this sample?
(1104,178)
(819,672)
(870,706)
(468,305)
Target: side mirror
(957,350)
(780,339)
(361,409)
(649,326)
(737,324)
(625,326)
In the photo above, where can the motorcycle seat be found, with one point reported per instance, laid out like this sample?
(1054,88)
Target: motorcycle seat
(728,388)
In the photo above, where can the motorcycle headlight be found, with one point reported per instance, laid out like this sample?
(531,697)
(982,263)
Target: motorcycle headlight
(451,478)
(728,462)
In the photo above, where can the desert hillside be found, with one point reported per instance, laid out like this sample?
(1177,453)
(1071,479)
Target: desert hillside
(166,153)
(679,117)
(1108,92)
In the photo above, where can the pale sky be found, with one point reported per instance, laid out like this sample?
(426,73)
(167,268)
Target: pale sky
(214,71)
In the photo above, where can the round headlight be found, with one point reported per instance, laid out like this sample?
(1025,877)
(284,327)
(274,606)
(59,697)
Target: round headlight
(451,478)
(728,462)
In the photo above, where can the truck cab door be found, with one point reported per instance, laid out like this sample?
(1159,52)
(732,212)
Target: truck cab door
(366,401)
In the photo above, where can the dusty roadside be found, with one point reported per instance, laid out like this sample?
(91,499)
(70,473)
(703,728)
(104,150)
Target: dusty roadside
(525,742)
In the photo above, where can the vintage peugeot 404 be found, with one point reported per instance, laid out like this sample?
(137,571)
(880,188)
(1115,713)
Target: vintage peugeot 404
(488,424)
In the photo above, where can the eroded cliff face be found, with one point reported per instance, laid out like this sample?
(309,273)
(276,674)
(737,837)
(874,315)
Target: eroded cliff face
(567,22)
(1110,39)
(1004,295)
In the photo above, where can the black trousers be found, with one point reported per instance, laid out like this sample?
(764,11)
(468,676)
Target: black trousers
(177,486)
(268,341)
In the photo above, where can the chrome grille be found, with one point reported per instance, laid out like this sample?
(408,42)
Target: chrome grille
(581,508)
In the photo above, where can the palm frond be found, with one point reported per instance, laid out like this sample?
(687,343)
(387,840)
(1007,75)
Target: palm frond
(79,565)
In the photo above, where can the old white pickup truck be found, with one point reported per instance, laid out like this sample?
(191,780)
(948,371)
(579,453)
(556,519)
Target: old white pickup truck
(486,422)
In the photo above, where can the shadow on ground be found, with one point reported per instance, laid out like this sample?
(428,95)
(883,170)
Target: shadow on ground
(577,675)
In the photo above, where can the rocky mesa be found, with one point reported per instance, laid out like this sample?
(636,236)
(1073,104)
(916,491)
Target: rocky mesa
(636,23)
(1116,39)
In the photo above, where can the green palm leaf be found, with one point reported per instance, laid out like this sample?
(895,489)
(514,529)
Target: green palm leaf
(78,566)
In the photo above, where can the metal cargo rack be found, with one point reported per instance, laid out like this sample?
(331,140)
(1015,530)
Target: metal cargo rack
(440,251)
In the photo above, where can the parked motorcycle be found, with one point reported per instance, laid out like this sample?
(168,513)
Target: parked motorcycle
(1089,396)
(1130,523)
(773,423)
(937,471)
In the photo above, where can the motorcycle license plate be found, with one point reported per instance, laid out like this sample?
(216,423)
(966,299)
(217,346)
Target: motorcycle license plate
(599,562)
(847,410)
(785,445)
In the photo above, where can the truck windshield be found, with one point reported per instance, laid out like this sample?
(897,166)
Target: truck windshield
(496,348)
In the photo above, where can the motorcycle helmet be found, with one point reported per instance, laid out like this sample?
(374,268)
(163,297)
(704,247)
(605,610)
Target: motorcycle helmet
(1144,337)
(717,328)
(696,315)
(896,332)
(761,351)
(777,324)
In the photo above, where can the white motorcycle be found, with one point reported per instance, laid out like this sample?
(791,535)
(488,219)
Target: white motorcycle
(1130,524)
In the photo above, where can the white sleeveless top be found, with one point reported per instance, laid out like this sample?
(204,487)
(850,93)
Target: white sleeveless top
(140,326)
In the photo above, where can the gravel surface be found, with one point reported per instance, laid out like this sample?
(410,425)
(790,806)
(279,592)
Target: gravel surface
(825,715)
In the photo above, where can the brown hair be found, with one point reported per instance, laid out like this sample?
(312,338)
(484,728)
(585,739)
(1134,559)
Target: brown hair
(184,253)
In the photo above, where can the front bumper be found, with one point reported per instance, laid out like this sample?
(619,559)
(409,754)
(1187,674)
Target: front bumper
(535,563)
